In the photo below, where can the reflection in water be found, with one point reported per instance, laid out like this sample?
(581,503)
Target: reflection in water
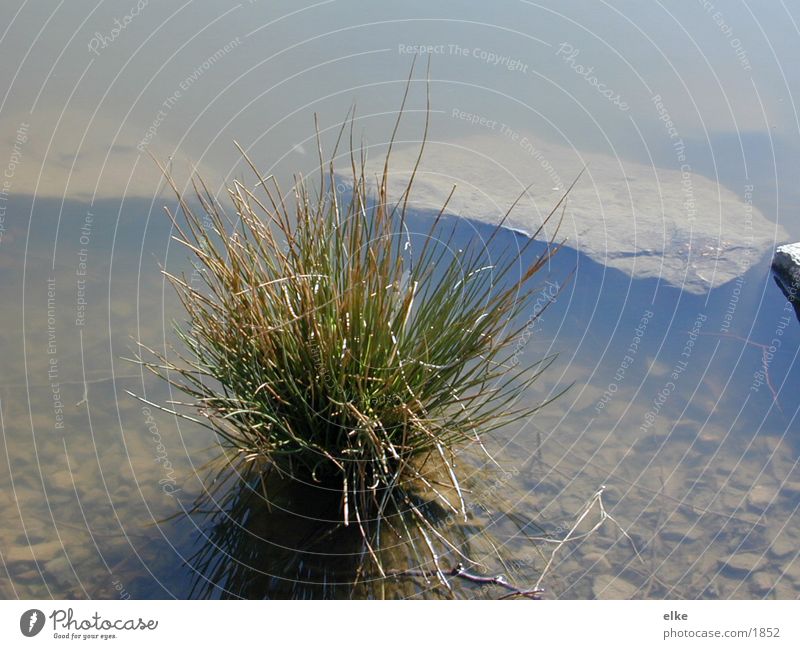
(270,536)
(266,535)
(702,472)
(708,491)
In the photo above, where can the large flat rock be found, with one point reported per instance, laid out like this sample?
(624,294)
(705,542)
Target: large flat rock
(647,221)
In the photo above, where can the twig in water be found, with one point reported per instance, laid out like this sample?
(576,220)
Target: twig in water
(596,499)
(459,571)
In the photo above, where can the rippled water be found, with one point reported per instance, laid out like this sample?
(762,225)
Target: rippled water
(681,423)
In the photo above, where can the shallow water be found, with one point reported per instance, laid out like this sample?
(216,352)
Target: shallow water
(682,412)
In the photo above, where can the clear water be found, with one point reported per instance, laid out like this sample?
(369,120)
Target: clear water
(700,468)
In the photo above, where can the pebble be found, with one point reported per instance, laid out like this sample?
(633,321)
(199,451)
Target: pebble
(791,487)
(611,587)
(677,535)
(57,566)
(740,564)
(596,561)
(712,438)
(61,480)
(760,497)
(762,582)
(39,552)
(784,590)
(733,500)
(28,577)
(782,546)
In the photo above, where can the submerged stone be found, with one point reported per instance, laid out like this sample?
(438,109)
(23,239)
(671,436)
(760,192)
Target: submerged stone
(743,563)
(613,587)
(761,497)
(762,582)
(673,224)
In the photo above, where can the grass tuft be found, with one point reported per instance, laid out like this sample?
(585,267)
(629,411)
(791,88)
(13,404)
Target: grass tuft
(324,346)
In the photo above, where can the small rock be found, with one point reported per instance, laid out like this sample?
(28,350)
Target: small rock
(40,552)
(770,443)
(786,268)
(60,480)
(784,590)
(678,535)
(596,560)
(786,265)
(57,566)
(760,497)
(711,591)
(47,551)
(611,587)
(740,564)
(28,577)
(710,435)
(762,582)
(791,487)
(571,506)
(732,500)
(782,547)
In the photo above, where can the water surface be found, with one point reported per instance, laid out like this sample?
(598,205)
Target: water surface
(683,409)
